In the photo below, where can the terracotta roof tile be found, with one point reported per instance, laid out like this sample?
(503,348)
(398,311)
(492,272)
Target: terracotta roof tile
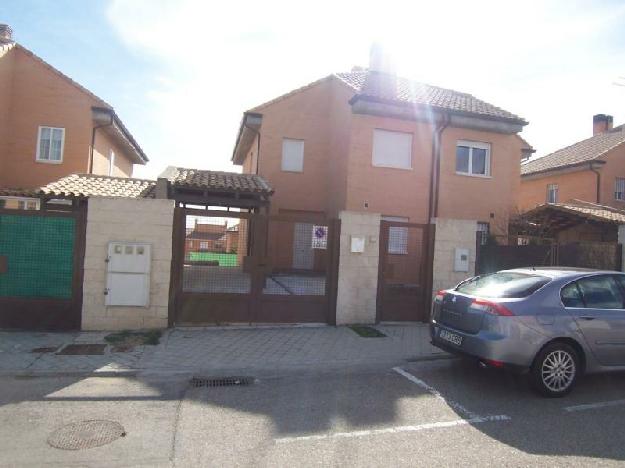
(413,92)
(90,185)
(588,210)
(586,150)
(217,180)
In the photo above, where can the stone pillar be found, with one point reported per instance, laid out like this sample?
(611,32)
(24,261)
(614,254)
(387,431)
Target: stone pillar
(621,240)
(452,234)
(358,268)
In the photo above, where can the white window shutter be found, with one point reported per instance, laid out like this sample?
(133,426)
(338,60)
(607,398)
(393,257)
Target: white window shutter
(292,155)
(392,149)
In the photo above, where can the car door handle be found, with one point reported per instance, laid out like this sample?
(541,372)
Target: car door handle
(587,317)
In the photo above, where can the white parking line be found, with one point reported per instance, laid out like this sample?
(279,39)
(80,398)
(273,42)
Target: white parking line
(452,404)
(395,430)
(591,406)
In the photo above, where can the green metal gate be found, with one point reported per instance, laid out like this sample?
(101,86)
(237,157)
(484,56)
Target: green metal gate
(41,257)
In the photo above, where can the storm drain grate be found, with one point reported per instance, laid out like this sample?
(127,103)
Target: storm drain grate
(46,349)
(221,381)
(86,434)
(83,349)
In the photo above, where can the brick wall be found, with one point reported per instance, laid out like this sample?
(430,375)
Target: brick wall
(358,272)
(142,220)
(452,234)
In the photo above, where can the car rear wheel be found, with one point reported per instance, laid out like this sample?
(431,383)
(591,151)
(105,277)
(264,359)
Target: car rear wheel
(555,370)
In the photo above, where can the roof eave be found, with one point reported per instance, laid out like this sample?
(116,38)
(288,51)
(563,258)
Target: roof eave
(248,130)
(396,102)
(581,166)
(124,133)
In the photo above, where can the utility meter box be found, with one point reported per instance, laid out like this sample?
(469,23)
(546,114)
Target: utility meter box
(461,259)
(128,274)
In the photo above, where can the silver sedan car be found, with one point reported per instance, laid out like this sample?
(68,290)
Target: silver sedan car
(555,323)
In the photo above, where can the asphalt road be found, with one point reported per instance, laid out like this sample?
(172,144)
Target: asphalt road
(444,413)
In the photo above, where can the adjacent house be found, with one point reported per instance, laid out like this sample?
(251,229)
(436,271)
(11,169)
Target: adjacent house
(50,126)
(591,170)
(369,140)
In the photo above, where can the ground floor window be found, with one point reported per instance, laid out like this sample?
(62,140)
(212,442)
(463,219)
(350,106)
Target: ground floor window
(19,203)
(483,231)
(397,236)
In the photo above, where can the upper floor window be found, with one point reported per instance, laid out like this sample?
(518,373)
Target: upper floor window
(50,143)
(292,155)
(552,193)
(473,158)
(392,149)
(619,188)
(111,162)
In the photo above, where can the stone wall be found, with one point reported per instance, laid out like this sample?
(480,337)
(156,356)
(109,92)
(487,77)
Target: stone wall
(132,220)
(452,234)
(358,272)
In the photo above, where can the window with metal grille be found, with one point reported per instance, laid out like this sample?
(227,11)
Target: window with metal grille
(483,230)
(397,236)
(552,193)
(619,188)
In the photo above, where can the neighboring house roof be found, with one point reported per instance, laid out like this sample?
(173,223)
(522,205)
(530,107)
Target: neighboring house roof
(412,92)
(217,180)
(101,102)
(582,152)
(579,208)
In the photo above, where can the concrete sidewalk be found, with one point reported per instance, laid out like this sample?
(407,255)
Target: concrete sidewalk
(214,351)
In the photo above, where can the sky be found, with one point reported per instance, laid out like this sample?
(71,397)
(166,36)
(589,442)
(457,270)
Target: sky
(181,73)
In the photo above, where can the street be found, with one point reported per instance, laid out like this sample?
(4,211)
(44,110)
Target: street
(445,412)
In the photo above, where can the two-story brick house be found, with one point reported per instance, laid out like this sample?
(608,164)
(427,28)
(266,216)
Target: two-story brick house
(591,170)
(51,127)
(368,140)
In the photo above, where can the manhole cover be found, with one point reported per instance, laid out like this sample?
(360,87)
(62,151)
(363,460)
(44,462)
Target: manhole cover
(83,349)
(221,381)
(86,434)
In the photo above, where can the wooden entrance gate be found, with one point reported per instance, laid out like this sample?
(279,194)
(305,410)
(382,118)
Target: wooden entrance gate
(239,267)
(41,269)
(404,272)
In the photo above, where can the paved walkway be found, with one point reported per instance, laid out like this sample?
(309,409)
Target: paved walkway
(220,350)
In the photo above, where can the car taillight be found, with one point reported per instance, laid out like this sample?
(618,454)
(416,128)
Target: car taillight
(491,307)
(438,297)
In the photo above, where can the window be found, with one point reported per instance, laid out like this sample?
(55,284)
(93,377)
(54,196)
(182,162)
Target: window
(473,158)
(204,245)
(50,143)
(552,193)
(2,203)
(571,296)
(483,230)
(619,188)
(111,162)
(503,284)
(292,155)
(397,236)
(601,292)
(392,149)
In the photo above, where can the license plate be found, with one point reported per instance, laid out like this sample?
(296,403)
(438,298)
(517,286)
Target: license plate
(451,337)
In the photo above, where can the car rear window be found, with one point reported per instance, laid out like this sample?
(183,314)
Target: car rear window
(503,284)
